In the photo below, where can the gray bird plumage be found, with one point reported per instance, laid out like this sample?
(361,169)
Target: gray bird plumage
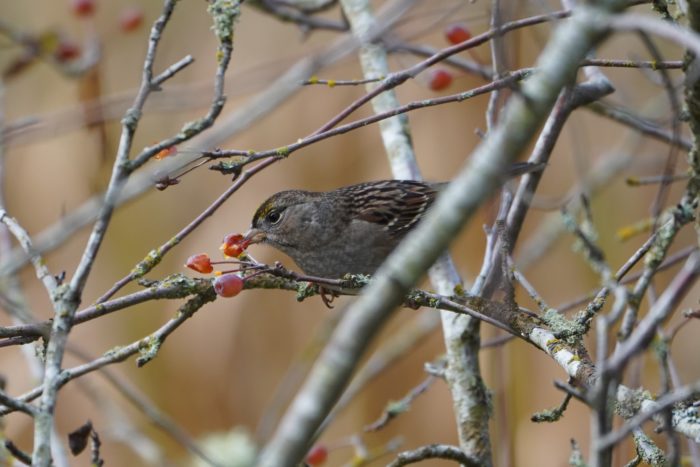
(347,230)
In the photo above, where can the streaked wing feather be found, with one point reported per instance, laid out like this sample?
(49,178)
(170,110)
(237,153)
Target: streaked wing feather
(397,205)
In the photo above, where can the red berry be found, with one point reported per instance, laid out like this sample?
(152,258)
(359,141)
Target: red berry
(83,8)
(234,245)
(66,50)
(200,263)
(317,455)
(439,79)
(232,238)
(457,33)
(228,285)
(130,18)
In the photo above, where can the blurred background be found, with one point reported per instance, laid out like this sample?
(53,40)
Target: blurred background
(224,370)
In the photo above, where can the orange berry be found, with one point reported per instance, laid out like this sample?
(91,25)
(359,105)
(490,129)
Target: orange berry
(234,245)
(233,251)
(200,263)
(163,153)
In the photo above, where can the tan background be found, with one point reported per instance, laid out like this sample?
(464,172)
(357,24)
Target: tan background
(222,367)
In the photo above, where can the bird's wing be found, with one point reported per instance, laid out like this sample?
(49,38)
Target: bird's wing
(396,205)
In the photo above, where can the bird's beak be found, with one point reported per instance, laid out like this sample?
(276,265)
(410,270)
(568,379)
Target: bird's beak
(254,236)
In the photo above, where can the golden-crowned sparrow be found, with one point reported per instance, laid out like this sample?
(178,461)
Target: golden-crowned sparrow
(347,230)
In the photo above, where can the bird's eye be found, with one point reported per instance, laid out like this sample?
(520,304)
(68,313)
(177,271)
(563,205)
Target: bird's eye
(273,217)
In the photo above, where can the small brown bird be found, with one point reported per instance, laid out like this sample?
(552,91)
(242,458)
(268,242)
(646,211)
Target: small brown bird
(347,230)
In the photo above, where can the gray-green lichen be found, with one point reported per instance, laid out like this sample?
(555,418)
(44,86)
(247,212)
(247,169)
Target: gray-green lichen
(179,286)
(131,118)
(146,264)
(357,281)
(225,13)
(148,350)
(282,151)
(551,415)
(562,327)
(629,401)
(576,458)
(394,408)
(648,451)
(191,128)
(306,290)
